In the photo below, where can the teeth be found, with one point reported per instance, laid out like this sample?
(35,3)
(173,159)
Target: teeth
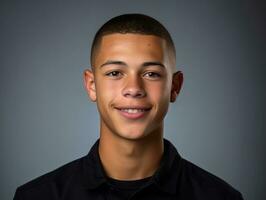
(131,110)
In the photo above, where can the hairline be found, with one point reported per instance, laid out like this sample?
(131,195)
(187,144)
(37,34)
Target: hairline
(97,44)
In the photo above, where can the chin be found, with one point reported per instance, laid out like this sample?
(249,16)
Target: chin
(137,135)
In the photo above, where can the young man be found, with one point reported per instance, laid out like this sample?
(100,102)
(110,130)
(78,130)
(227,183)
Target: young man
(133,79)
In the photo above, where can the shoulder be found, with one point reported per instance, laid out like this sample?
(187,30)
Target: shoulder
(54,180)
(205,184)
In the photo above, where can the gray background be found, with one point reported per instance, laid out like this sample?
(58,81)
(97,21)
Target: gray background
(218,121)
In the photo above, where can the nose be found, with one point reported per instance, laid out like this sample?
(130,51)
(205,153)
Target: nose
(134,88)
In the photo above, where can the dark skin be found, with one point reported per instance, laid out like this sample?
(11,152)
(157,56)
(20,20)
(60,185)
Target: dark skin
(133,82)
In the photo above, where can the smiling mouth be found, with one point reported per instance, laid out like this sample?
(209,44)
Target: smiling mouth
(133,110)
(133,113)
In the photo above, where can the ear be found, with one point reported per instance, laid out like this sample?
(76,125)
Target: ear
(89,84)
(177,83)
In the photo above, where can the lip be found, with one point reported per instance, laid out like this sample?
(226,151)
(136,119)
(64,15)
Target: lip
(131,113)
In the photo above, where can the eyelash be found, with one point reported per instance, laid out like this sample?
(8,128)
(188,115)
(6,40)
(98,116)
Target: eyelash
(153,74)
(112,73)
(116,74)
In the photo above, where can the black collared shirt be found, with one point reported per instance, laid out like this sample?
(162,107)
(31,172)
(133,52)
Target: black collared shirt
(84,179)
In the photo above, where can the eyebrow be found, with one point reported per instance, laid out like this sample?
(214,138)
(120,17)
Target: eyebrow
(156,63)
(113,62)
(121,63)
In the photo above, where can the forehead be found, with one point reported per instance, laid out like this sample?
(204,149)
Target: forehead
(131,38)
(130,44)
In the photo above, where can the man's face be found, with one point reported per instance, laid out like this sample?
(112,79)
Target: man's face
(132,84)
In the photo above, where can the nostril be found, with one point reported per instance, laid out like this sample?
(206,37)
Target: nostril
(134,88)
(134,93)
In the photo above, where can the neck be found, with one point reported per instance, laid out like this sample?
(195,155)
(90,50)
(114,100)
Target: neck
(125,159)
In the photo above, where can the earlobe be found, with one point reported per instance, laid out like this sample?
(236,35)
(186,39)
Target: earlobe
(89,84)
(177,83)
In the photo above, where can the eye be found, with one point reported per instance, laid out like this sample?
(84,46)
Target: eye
(152,75)
(114,74)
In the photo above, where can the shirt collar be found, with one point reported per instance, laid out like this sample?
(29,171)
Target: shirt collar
(165,178)
(93,174)
(167,175)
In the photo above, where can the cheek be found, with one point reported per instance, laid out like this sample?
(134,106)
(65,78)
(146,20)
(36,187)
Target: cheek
(107,91)
(160,92)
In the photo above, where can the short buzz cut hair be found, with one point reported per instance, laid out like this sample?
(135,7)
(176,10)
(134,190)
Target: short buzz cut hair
(132,23)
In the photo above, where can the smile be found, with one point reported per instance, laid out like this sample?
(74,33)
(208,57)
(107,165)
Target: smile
(132,110)
(133,113)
